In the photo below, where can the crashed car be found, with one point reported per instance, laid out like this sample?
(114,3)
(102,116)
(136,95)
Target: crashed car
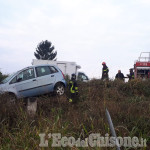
(34,81)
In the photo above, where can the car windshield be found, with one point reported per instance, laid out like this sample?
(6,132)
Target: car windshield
(7,79)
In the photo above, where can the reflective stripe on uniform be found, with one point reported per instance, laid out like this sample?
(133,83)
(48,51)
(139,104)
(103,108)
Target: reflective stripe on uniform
(105,70)
(70,100)
(71,89)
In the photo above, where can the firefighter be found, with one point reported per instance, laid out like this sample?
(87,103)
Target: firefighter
(105,71)
(73,87)
(120,75)
(131,75)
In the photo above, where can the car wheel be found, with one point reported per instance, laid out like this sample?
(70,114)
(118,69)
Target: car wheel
(59,89)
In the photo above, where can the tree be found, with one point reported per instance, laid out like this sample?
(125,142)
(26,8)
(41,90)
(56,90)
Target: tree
(45,51)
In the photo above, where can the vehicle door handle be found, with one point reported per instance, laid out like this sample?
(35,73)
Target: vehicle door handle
(34,80)
(52,75)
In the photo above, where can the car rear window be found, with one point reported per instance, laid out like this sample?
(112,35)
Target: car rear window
(53,69)
(42,71)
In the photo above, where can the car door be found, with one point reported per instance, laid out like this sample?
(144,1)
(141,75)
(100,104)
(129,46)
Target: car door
(45,79)
(26,83)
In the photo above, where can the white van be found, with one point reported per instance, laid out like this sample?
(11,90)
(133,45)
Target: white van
(68,68)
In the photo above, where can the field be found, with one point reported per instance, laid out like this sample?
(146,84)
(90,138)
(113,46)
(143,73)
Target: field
(128,105)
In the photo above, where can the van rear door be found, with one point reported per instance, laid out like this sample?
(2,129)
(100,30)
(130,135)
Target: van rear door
(62,67)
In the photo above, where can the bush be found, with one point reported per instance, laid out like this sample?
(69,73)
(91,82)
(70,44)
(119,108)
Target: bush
(128,104)
(2,77)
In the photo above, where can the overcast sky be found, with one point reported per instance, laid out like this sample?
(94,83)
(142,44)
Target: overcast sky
(87,32)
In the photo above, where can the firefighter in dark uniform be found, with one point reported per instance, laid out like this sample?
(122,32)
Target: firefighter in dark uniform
(131,75)
(73,87)
(120,75)
(105,71)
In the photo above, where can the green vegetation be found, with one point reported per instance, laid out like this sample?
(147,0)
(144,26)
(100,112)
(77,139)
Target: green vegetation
(2,76)
(128,104)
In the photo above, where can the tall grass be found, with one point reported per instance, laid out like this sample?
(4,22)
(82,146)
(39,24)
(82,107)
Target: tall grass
(128,104)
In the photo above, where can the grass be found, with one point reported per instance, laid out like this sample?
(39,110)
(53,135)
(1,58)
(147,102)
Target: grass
(128,104)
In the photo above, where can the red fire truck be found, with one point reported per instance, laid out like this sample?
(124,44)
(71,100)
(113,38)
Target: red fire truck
(142,66)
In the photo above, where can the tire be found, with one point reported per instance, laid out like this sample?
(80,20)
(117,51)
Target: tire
(59,89)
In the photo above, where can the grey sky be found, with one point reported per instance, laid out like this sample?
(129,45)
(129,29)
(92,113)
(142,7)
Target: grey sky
(85,31)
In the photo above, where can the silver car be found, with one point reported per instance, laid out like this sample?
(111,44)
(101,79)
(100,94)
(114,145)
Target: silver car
(34,81)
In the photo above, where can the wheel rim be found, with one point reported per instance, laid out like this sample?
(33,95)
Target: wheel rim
(60,90)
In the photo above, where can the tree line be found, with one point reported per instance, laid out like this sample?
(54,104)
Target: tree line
(2,76)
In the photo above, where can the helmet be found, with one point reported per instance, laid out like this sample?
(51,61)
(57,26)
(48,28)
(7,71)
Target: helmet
(103,63)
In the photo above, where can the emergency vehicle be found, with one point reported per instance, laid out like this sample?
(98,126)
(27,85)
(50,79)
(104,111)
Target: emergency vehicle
(142,66)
